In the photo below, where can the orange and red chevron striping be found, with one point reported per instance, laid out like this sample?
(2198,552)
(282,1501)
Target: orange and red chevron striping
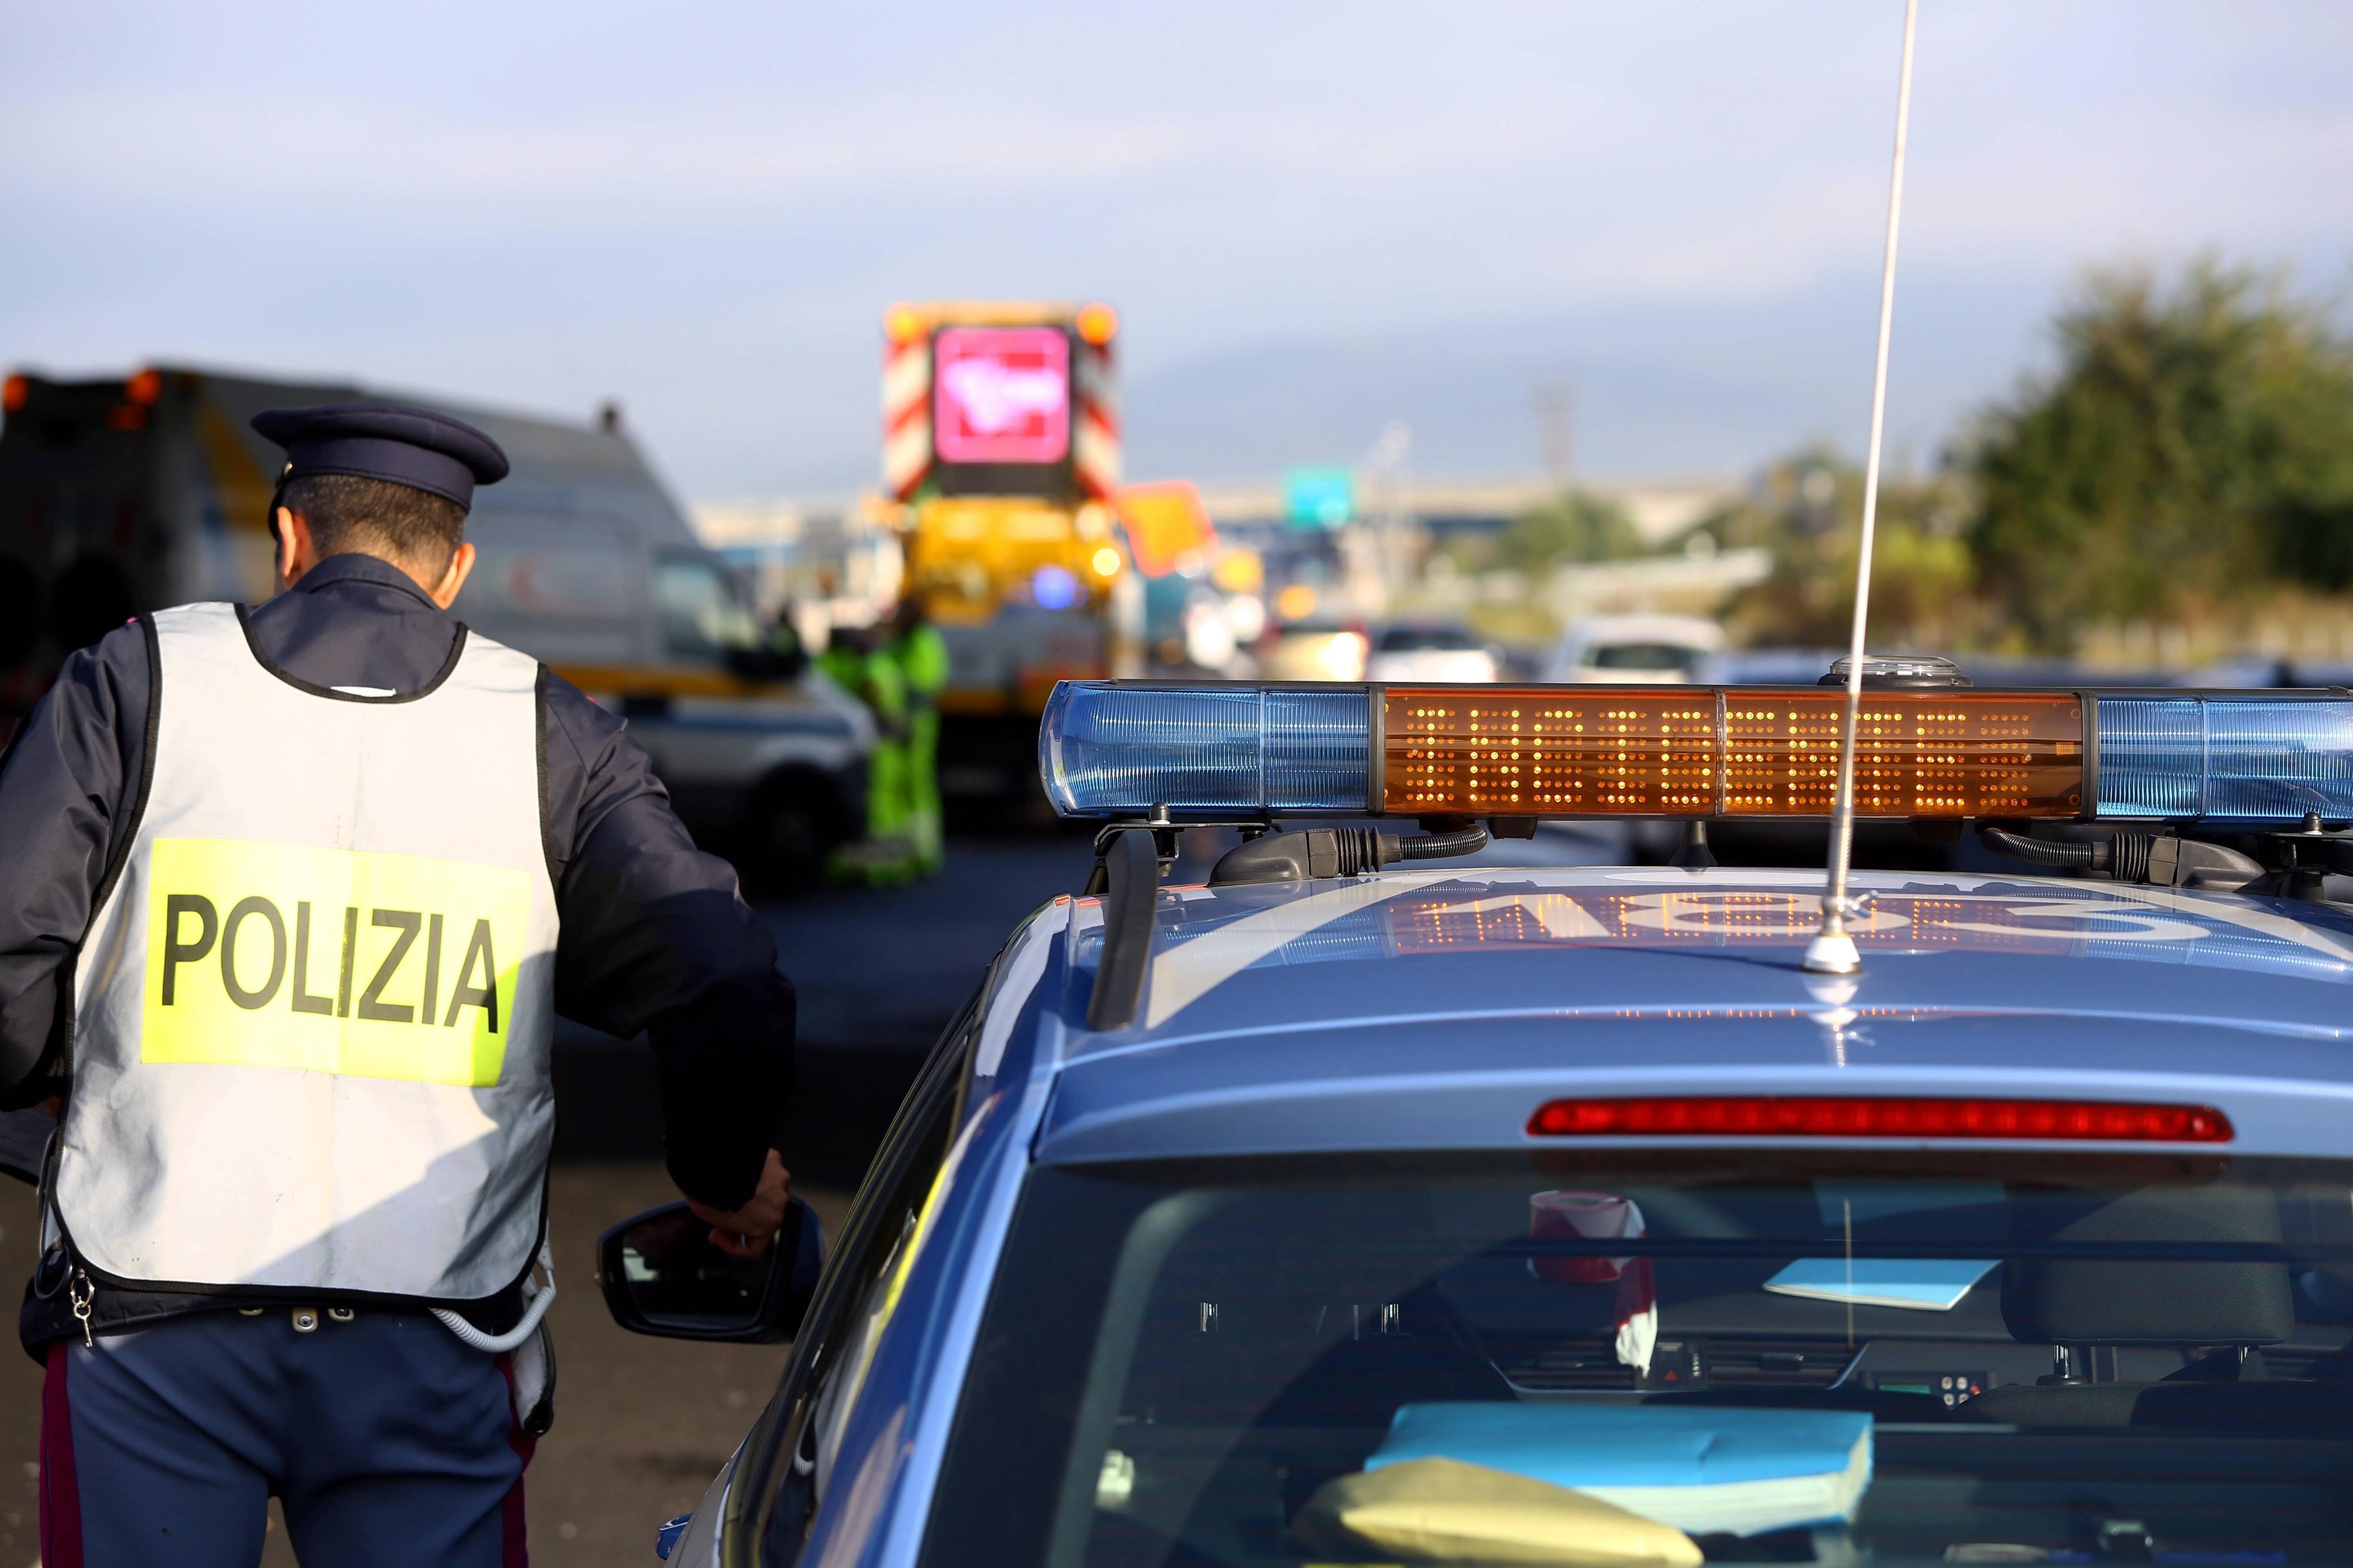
(1094,435)
(907,436)
(906,416)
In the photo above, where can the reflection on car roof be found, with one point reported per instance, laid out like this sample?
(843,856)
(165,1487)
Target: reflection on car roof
(1459,945)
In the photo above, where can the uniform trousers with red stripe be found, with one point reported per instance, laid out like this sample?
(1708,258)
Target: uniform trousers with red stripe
(385,1439)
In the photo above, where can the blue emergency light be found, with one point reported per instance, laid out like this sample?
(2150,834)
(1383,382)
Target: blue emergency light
(2255,757)
(1229,752)
(1214,752)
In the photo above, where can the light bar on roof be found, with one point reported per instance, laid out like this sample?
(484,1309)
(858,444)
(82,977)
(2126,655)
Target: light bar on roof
(1233,751)
(1614,751)
(2240,756)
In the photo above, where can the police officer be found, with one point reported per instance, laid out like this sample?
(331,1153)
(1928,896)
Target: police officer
(294,895)
(920,655)
(860,659)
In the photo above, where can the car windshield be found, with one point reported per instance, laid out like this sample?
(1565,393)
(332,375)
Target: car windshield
(1427,639)
(1658,655)
(704,614)
(1726,1356)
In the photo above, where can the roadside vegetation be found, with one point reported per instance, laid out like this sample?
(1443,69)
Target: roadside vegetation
(2178,486)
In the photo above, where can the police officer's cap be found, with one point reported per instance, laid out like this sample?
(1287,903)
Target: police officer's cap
(389,441)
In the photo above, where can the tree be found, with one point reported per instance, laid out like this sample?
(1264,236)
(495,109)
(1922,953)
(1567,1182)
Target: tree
(1572,526)
(1807,510)
(2194,446)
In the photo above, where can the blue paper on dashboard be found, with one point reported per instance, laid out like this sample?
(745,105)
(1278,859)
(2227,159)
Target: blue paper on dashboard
(1918,1284)
(1701,1469)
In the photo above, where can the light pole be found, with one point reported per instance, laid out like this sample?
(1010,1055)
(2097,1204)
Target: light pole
(1385,466)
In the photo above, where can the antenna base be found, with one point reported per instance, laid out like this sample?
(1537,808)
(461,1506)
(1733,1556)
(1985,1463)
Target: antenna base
(1832,953)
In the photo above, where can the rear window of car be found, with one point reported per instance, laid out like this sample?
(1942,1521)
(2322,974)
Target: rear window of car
(1658,655)
(1427,639)
(1724,1356)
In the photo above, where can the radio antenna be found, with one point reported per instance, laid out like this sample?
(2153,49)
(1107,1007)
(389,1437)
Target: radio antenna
(1832,951)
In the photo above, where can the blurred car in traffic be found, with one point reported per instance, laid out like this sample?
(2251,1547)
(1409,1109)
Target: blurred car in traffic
(585,561)
(1435,651)
(1806,667)
(1314,650)
(1767,666)
(1644,649)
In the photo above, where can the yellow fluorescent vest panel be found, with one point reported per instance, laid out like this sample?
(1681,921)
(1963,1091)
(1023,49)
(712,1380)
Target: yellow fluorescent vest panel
(283,956)
(1438,1511)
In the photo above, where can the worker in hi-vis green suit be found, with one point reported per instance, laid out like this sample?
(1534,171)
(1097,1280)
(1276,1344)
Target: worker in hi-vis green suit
(922,655)
(859,660)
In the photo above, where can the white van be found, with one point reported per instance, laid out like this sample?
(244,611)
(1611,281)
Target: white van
(1643,650)
(123,496)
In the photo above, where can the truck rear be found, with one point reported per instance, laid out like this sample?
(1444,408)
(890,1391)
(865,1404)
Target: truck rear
(1001,445)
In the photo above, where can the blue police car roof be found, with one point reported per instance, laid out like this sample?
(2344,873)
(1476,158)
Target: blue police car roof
(1437,1008)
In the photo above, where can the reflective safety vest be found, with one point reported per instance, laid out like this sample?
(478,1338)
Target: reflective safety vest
(313,1014)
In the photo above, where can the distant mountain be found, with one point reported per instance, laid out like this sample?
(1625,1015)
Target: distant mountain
(1663,388)
(1669,388)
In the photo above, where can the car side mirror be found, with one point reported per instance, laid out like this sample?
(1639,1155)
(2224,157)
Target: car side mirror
(778,656)
(662,1276)
(792,654)
(758,664)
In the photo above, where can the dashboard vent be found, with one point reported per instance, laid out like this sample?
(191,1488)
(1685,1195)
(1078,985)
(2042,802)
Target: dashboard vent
(1586,1365)
(1775,1363)
(1566,1366)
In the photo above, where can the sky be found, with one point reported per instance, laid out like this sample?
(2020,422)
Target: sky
(1313,219)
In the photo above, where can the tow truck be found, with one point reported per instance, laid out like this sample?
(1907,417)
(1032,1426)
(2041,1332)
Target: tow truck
(1001,455)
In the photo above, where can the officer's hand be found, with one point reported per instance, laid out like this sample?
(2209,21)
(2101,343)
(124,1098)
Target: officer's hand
(747,1232)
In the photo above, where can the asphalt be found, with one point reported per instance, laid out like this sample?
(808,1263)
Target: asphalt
(879,972)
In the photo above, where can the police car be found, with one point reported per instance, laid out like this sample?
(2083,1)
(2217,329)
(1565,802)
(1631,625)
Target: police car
(1356,1207)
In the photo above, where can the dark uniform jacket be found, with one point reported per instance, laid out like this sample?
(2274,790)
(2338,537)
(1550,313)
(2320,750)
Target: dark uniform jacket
(654,938)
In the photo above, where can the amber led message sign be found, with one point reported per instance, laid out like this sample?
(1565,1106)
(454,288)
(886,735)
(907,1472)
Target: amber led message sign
(1726,751)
